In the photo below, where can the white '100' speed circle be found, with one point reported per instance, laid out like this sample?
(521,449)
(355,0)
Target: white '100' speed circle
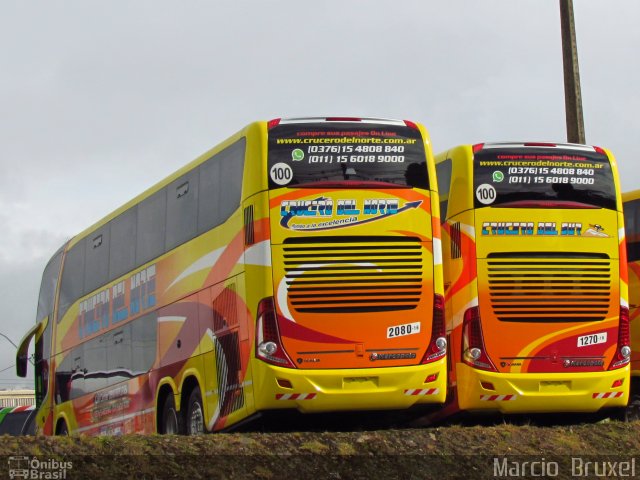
(486,193)
(281,173)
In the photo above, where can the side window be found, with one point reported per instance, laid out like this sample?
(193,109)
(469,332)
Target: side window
(182,210)
(122,251)
(64,372)
(119,363)
(72,283)
(220,186)
(108,359)
(144,334)
(151,227)
(209,203)
(96,264)
(76,388)
(443,172)
(95,364)
(631,228)
(231,169)
(46,298)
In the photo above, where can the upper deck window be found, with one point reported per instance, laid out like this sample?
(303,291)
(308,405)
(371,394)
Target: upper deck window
(562,178)
(344,154)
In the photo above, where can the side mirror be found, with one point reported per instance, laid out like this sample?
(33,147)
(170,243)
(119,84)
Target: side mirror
(22,355)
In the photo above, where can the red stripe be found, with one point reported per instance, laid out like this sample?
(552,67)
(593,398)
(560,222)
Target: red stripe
(295,396)
(607,395)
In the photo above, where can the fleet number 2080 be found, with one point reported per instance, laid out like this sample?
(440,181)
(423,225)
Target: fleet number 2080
(403,330)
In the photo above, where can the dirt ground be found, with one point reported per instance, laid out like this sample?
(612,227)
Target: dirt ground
(605,449)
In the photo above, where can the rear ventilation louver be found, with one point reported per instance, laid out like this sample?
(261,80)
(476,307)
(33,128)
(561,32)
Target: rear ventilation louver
(230,392)
(456,239)
(353,274)
(547,287)
(249,234)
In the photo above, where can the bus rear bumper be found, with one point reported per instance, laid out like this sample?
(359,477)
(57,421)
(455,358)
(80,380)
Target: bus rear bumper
(349,389)
(541,392)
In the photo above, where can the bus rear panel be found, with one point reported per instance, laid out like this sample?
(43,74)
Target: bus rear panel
(536,276)
(356,319)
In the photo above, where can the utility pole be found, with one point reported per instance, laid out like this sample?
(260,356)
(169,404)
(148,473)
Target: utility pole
(572,96)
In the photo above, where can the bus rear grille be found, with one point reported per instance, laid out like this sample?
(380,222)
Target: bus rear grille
(545,288)
(353,274)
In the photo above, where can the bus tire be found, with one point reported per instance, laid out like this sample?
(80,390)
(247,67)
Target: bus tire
(195,414)
(62,429)
(170,418)
(632,412)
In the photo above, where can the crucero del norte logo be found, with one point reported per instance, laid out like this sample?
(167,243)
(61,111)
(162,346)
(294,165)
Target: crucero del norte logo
(325,209)
(524,229)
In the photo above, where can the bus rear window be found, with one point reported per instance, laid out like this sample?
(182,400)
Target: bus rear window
(551,177)
(346,154)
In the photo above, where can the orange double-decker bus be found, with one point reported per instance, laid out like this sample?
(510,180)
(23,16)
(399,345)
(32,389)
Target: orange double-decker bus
(296,265)
(535,278)
(631,205)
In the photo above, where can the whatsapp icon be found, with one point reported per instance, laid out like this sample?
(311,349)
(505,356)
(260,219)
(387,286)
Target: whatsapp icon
(297,155)
(498,176)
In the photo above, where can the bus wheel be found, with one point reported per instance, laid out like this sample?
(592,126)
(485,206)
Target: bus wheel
(632,411)
(170,419)
(195,413)
(62,429)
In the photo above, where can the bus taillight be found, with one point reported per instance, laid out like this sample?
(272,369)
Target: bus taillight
(411,124)
(438,344)
(473,350)
(623,353)
(268,344)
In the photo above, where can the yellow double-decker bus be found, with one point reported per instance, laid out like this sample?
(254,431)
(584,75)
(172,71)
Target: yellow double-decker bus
(535,278)
(296,265)
(631,205)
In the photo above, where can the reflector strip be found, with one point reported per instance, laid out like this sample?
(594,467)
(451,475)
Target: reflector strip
(497,398)
(607,395)
(295,396)
(423,391)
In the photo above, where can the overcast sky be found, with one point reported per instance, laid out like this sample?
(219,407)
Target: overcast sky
(99,100)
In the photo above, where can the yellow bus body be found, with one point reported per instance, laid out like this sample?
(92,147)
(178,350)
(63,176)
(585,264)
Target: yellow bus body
(631,203)
(180,325)
(539,279)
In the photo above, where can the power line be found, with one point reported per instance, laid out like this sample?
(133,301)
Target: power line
(8,368)
(10,341)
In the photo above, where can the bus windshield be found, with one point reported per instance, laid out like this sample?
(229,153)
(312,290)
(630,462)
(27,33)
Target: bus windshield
(562,178)
(346,154)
